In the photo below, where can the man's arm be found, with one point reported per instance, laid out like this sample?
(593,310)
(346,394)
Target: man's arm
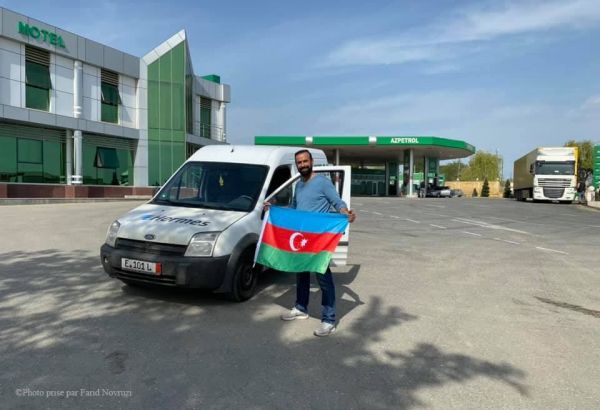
(334,199)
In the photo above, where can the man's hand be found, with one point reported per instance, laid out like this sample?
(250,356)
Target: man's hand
(266,206)
(351,216)
(350,213)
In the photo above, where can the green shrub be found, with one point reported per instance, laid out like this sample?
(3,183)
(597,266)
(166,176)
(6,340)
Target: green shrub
(485,190)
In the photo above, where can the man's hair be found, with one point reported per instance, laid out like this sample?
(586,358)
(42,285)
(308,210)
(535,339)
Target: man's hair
(303,151)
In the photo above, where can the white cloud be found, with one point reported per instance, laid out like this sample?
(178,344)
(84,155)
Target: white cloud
(447,39)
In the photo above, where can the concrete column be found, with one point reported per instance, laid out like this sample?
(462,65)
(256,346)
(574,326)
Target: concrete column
(337,156)
(223,121)
(411,170)
(77,89)
(387,178)
(69,156)
(426,173)
(77,147)
(78,156)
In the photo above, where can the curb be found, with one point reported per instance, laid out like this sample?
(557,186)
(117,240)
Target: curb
(45,201)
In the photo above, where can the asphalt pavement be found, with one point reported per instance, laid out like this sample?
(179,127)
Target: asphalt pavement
(446,303)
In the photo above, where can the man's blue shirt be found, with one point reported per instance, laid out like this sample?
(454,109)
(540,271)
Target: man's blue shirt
(317,195)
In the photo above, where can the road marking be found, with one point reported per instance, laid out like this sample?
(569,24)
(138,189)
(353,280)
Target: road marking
(438,226)
(412,220)
(377,213)
(434,214)
(507,241)
(471,233)
(487,225)
(364,210)
(551,250)
(394,216)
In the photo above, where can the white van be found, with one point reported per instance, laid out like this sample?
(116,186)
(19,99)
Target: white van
(201,228)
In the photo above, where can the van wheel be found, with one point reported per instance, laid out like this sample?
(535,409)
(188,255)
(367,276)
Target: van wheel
(244,279)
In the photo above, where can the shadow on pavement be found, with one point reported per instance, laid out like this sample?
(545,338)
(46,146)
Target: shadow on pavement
(64,325)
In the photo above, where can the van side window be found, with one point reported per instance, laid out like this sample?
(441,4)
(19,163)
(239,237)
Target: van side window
(281,174)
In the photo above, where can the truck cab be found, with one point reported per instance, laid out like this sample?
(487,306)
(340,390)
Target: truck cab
(201,228)
(546,174)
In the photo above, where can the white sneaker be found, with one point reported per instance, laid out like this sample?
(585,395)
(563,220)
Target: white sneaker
(325,329)
(294,314)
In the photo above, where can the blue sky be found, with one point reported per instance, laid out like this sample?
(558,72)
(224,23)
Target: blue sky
(502,75)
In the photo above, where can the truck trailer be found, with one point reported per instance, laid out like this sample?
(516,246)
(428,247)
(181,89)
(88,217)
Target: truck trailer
(546,174)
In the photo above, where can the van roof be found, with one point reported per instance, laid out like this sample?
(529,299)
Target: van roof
(252,154)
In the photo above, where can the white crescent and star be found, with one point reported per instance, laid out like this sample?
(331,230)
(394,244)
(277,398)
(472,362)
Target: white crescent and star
(303,242)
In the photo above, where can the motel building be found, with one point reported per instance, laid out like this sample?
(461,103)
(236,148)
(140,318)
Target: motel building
(79,118)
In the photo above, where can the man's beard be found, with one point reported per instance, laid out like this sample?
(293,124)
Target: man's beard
(306,171)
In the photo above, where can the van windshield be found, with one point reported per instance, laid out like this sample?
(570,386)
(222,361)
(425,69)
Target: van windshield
(214,185)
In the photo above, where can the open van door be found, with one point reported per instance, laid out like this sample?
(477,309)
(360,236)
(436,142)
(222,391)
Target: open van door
(340,176)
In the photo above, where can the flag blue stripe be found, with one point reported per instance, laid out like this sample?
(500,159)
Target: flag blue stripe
(302,221)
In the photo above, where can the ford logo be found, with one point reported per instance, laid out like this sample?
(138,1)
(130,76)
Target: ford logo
(149,236)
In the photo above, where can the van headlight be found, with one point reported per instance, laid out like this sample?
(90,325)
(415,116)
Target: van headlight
(202,244)
(111,235)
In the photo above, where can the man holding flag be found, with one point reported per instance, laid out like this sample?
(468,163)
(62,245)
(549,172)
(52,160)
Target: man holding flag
(307,240)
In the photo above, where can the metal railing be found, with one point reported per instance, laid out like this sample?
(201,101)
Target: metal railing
(210,131)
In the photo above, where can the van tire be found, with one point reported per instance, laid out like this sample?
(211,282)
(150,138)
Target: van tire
(244,279)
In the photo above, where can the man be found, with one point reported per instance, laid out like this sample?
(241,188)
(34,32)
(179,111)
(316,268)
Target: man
(315,193)
(580,191)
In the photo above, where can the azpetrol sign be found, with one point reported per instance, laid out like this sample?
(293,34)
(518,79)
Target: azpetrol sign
(41,34)
(398,141)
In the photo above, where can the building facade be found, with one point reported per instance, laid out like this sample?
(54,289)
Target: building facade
(74,111)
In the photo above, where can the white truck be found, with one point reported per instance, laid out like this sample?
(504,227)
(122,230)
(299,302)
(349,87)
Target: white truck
(201,228)
(546,174)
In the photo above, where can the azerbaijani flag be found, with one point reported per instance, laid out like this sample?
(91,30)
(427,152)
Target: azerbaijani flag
(299,241)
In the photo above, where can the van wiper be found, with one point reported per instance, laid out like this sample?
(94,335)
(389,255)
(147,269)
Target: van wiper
(163,201)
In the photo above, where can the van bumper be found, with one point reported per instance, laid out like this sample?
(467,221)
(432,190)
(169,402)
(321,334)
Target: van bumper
(180,271)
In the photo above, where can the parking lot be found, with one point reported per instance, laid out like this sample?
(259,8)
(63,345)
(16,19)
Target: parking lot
(447,303)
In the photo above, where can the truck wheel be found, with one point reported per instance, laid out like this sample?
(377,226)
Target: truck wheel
(244,279)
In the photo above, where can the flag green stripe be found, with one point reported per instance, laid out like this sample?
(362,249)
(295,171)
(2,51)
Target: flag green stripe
(293,261)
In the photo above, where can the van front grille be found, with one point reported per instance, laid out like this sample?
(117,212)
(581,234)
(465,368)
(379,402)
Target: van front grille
(151,247)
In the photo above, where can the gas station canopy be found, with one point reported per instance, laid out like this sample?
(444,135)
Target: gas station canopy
(399,155)
(373,150)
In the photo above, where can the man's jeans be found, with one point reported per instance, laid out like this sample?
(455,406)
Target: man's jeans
(327,294)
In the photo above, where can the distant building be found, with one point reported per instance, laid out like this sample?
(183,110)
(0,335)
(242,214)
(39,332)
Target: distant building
(74,111)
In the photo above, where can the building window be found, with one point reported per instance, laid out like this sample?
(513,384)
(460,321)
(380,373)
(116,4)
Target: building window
(110,97)
(205,113)
(37,79)
(106,158)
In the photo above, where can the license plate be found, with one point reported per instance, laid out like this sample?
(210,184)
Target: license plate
(141,266)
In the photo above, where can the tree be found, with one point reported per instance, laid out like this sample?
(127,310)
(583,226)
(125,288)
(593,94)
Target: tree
(586,157)
(485,190)
(474,194)
(482,165)
(453,170)
(506,193)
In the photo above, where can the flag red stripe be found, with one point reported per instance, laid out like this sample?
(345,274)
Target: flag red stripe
(316,242)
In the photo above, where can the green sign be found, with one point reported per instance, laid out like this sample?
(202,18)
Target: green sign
(41,35)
